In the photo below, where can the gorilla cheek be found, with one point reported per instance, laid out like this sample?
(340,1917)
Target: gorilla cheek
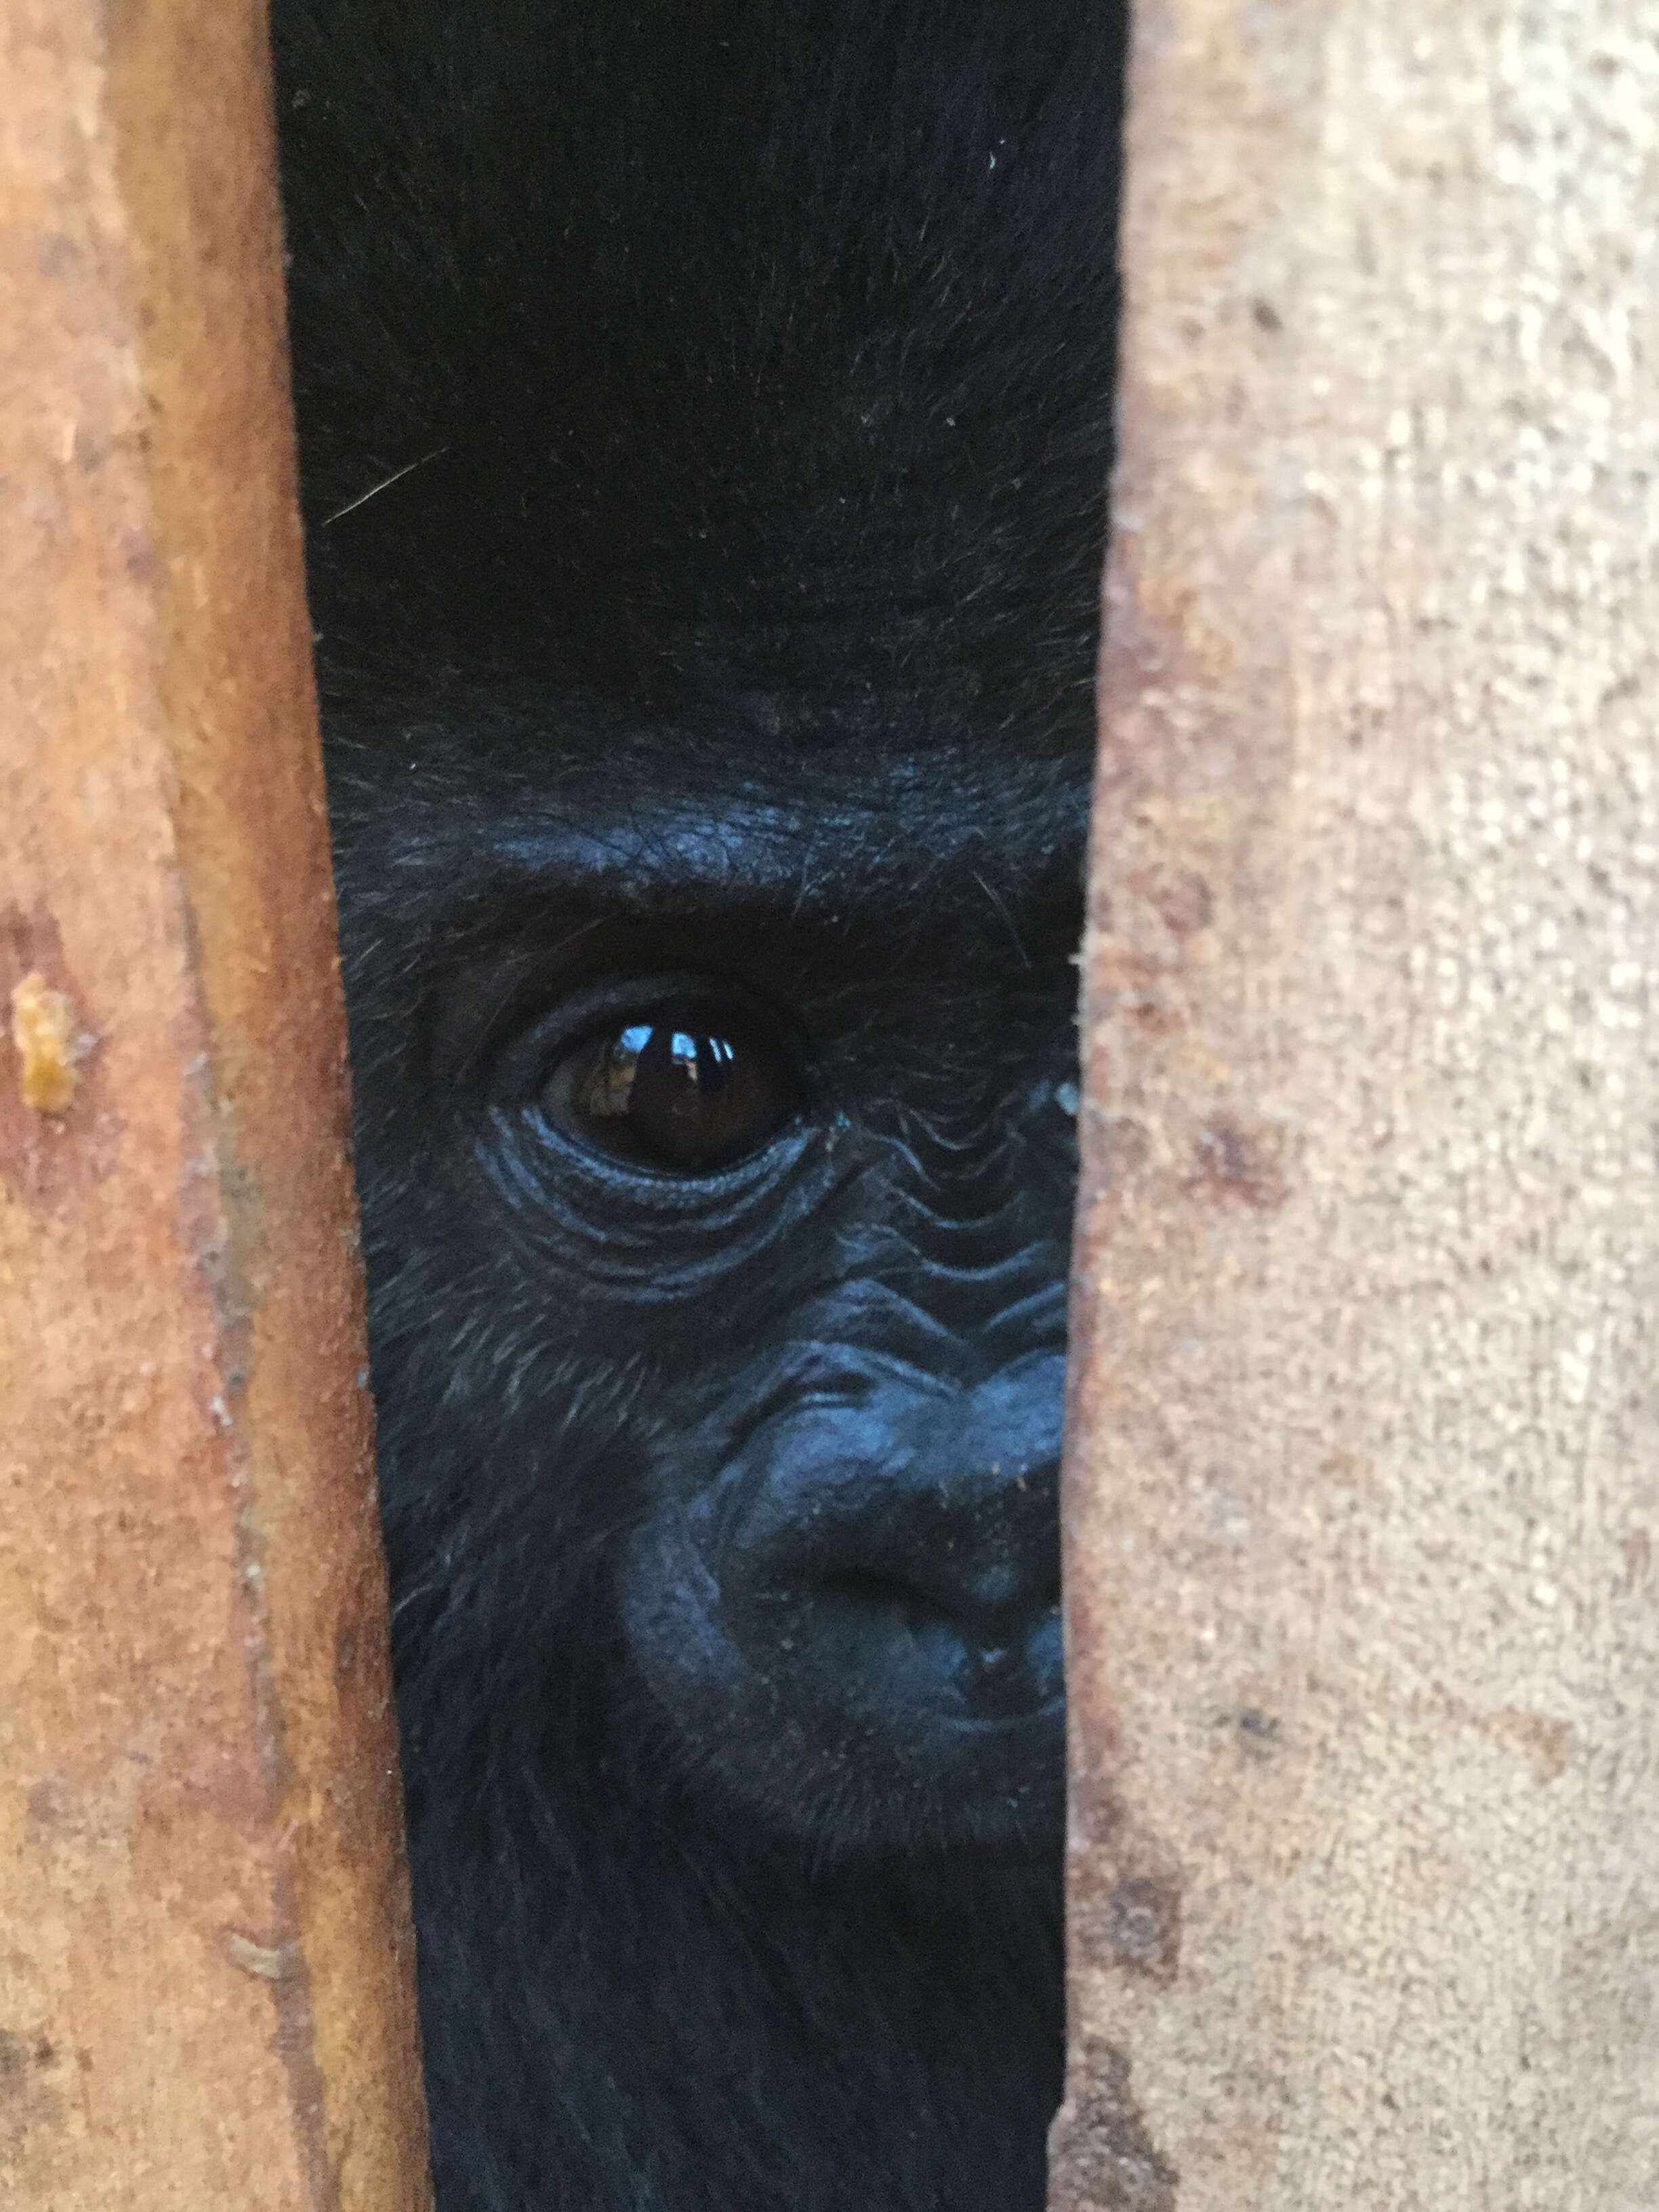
(674,1621)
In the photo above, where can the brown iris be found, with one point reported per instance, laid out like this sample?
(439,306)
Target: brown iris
(688,1091)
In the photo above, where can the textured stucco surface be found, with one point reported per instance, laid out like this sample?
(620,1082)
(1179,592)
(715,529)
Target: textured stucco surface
(1362,1491)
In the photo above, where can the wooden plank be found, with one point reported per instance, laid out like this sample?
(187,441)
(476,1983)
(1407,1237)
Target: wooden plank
(1364,1486)
(205,1993)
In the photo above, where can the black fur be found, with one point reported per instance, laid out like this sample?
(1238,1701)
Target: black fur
(704,428)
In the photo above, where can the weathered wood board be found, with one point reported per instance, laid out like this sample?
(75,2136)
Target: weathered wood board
(1363,1493)
(205,1991)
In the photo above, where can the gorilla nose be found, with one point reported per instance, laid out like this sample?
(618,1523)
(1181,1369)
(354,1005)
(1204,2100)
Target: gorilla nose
(966,1605)
(920,1533)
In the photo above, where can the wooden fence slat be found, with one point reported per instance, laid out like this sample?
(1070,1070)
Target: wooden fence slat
(205,1993)
(1362,1492)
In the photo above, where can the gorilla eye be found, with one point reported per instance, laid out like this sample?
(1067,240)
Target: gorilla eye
(690,1092)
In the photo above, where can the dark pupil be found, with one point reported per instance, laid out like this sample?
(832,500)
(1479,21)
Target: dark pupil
(688,1097)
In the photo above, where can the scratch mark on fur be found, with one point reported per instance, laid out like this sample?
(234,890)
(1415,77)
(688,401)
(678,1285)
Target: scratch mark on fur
(384,484)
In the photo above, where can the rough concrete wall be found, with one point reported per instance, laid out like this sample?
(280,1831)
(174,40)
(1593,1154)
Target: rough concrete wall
(1364,1484)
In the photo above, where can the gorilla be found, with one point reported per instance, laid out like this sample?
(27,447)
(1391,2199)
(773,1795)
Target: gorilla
(704,413)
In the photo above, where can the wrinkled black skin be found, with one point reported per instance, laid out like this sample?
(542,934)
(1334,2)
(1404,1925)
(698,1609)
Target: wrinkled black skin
(734,619)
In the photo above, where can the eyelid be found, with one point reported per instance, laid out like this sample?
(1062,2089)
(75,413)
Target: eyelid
(504,972)
(523,1062)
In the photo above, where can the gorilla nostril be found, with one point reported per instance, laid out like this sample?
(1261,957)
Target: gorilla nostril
(985,1609)
(980,1644)
(876,1592)
(1018,1674)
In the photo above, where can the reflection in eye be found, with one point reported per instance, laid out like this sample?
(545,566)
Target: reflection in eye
(694,1093)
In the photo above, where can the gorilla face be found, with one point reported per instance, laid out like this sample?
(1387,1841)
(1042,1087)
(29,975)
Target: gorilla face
(735,1131)
(705,417)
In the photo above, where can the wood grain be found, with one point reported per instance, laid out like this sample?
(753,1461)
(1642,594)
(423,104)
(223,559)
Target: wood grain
(1362,1492)
(205,1991)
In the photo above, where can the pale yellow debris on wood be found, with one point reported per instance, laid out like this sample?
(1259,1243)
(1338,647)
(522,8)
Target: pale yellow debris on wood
(43,1032)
